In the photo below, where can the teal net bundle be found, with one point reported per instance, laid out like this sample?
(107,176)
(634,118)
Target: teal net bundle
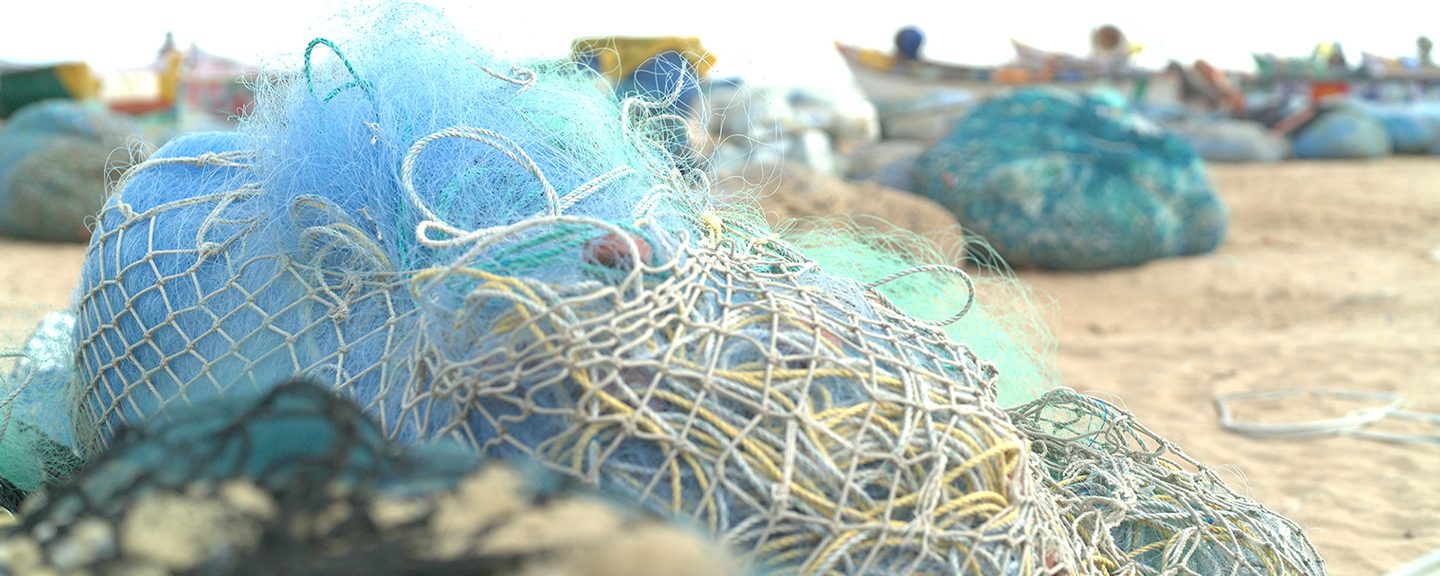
(37,446)
(56,157)
(496,254)
(1062,180)
(297,481)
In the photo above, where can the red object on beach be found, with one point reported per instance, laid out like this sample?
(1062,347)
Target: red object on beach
(1294,121)
(1321,91)
(613,251)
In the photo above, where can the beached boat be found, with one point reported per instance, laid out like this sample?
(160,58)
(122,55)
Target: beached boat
(885,77)
(1320,77)
(20,86)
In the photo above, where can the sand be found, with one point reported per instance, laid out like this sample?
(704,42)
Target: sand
(1330,279)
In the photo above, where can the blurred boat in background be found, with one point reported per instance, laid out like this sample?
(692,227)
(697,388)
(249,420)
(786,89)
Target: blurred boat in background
(24,85)
(885,76)
(181,91)
(903,74)
(1327,73)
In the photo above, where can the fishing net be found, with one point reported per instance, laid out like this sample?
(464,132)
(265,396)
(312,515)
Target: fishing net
(1141,506)
(1061,180)
(500,256)
(36,442)
(298,481)
(55,158)
(1006,323)
(511,268)
(1342,130)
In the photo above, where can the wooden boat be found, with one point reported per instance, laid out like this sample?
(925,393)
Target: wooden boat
(885,78)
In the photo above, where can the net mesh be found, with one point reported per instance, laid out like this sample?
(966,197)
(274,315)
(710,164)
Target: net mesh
(1140,504)
(1007,324)
(508,267)
(722,383)
(299,481)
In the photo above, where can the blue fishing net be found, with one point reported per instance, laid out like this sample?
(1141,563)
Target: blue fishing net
(1061,180)
(497,254)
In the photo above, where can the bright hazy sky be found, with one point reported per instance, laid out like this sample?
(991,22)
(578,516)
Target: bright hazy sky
(775,40)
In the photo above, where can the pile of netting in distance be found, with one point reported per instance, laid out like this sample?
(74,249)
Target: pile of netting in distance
(1062,180)
(500,255)
(55,159)
(298,481)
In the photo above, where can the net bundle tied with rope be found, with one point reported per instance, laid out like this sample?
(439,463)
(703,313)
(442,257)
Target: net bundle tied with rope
(497,254)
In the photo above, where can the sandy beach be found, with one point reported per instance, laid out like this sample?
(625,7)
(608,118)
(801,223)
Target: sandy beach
(1330,279)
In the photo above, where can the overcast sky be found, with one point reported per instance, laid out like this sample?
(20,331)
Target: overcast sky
(775,39)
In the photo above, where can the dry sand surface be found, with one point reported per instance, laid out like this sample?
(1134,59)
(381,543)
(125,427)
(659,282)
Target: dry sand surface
(1330,279)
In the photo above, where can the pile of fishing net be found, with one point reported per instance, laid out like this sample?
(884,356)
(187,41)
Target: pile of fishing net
(1342,129)
(497,255)
(1063,180)
(297,481)
(56,159)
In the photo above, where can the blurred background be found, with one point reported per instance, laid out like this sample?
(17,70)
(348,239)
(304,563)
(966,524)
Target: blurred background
(755,37)
(1206,199)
